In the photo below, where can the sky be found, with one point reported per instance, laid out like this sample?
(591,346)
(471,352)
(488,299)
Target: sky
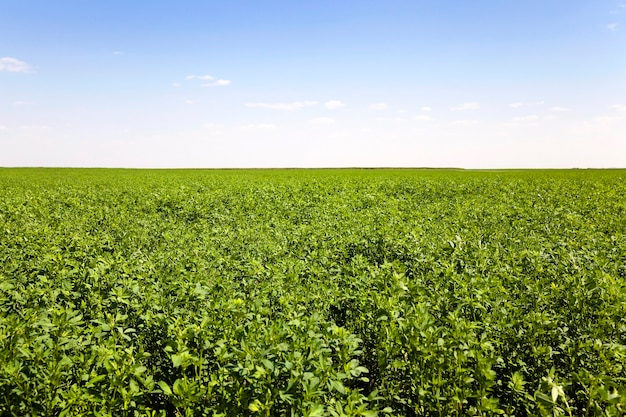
(341,83)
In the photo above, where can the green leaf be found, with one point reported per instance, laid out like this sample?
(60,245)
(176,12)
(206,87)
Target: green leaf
(255,406)
(555,393)
(268,364)
(177,360)
(517,381)
(134,387)
(543,398)
(165,388)
(179,387)
(316,410)
(338,386)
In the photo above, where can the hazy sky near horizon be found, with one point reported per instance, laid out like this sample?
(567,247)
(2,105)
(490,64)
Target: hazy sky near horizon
(474,84)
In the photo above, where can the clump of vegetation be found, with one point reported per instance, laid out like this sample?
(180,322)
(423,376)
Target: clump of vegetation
(312,293)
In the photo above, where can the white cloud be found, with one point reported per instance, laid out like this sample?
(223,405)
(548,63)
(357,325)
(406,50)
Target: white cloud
(14,65)
(213,83)
(466,106)
(422,118)
(465,122)
(620,8)
(175,85)
(605,119)
(612,27)
(259,126)
(21,103)
(118,53)
(378,106)
(190,102)
(34,127)
(334,104)
(296,105)
(558,109)
(529,118)
(199,77)
(426,108)
(520,104)
(619,107)
(323,120)
(390,119)
(217,83)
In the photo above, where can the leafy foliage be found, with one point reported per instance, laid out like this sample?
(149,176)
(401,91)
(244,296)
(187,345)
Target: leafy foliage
(312,293)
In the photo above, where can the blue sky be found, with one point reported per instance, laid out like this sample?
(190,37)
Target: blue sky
(475,84)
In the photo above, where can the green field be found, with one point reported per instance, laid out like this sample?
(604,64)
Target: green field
(312,292)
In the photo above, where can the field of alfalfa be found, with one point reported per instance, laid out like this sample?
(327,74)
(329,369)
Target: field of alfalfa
(312,293)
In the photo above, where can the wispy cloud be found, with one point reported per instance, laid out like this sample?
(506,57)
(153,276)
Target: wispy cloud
(213,81)
(612,27)
(529,118)
(620,9)
(199,77)
(213,125)
(34,127)
(217,83)
(465,122)
(14,65)
(605,119)
(558,109)
(323,120)
(466,106)
(619,107)
(378,106)
(520,104)
(118,53)
(25,128)
(334,104)
(296,105)
(259,126)
(423,118)
(390,119)
(426,108)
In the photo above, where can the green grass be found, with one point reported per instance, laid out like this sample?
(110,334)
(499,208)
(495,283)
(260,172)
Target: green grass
(312,292)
